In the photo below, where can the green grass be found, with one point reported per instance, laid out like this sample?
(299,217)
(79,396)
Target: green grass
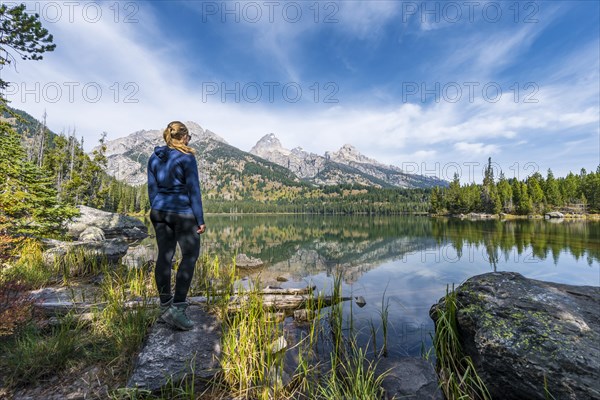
(124,326)
(79,262)
(252,345)
(354,378)
(112,336)
(36,354)
(457,374)
(252,369)
(251,350)
(29,269)
(385,321)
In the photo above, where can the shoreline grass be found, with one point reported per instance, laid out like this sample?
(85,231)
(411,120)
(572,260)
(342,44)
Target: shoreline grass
(254,343)
(457,374)
(40,348)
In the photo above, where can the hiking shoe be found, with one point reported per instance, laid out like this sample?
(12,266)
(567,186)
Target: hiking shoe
(176,317)
(163,309)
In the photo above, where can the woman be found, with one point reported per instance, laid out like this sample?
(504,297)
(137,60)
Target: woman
(177,216)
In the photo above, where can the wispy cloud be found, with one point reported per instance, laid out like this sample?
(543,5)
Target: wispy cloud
(366,20)
(477,149)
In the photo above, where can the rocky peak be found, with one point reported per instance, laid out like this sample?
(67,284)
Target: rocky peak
(267,144)
(194,127)
(347,154)
(145,140)
(348,148)
(299,151)
(208,134)
(198,133)
(269,140)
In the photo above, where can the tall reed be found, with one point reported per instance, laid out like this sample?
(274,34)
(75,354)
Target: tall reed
(29,269)
(251,349)
(458,377)
(124,324)
(355,378)
(38,354)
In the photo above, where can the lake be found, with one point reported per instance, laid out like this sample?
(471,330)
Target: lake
(405,261)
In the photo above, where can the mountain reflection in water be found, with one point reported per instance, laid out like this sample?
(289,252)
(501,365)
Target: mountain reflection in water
(409,259)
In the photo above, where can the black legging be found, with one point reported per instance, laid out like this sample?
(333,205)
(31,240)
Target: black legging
(171,229)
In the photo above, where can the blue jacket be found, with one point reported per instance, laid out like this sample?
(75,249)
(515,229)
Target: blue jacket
(173,183)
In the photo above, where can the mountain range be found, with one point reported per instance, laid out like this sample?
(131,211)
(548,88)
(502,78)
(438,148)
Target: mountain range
(267,164)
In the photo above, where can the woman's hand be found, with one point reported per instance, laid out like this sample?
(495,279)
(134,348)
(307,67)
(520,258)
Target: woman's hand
(201,229)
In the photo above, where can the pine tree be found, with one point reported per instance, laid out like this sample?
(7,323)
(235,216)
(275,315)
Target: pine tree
(591,190)
(22,34)
(569,188)
(435,201)
(505,194)
(551,190)
(488,188)
(27,194)
(453,196)
(525,205)
(496,203)
(535,193)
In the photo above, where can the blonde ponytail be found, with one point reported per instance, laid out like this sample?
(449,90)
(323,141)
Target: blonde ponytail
(175,134)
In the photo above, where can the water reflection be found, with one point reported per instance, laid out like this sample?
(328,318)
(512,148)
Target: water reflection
(410,260)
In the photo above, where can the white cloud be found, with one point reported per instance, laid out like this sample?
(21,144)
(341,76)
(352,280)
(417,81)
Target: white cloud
(475,148)
(425,154)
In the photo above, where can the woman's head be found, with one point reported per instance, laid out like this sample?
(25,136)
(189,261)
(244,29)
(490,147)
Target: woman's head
(177,137)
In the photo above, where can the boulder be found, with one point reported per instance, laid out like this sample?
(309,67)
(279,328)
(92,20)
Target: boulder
(140,256)
(410,378)
(91,233)
(554,214)
(110,250)
(482,216)
(171,355)
(113,225)
(531,339)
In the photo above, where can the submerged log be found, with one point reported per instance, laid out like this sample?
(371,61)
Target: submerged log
(272,298)
(272,290)
(288,302)
(278,290)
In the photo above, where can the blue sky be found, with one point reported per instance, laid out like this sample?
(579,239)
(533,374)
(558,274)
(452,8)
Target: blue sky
(433,87)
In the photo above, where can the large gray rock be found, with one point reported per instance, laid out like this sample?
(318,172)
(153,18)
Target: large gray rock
(409,378)
(110,250)
(170,354)
(113,225)
(91,233)
(140,256)
(531,339)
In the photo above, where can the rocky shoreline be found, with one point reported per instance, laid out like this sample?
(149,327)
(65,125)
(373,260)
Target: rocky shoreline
(552,215)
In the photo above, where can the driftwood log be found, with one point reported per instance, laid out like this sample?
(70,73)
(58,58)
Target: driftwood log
(273,298)
(273,290)
(286,302)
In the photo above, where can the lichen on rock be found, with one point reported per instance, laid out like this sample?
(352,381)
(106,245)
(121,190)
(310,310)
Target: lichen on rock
(534,337)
